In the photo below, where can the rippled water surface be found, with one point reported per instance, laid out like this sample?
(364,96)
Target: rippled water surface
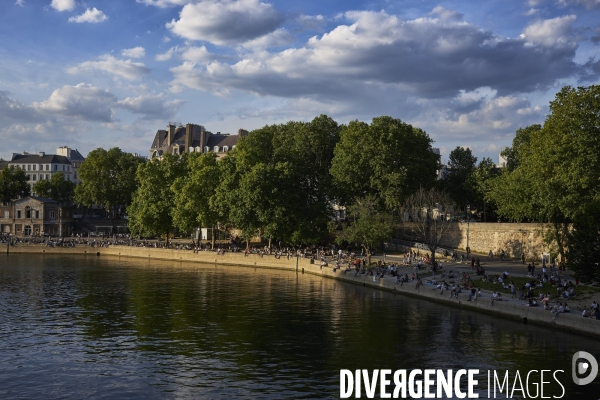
(74,327)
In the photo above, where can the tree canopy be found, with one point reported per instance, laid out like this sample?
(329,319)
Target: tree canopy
(108,178)
(56,188)
(13,184)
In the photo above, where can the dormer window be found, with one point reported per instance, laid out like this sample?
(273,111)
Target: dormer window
(206,149)
(225,149)
(191,149)
(216,149)
(198,149)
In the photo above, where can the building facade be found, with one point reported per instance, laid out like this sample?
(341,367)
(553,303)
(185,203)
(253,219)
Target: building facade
(41,166)
(34,216)
(192,138)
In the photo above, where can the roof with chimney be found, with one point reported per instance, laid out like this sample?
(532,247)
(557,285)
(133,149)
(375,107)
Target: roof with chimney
(40,158)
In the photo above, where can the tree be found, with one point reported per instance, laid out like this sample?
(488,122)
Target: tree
(459,181)
(108,178)
(13,184)
(583,254)
(483,177)
(557,168)
(426,216)
(57,188)
(388,159)
(192,192)
(153,201)
(369,226)
(277,184)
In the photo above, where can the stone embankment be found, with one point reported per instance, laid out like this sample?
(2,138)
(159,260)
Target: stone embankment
(511,309)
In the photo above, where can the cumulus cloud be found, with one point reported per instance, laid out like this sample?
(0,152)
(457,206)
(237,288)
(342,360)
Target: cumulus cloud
(226,22)
(13,111)
(424,57)
(136,52)
(82,101)
(446,14)
(280,37)
(20,3)
(124,68)
(63,5)
(152,106)
(164,3)
(588,4)
(167,55)
(555,32)
(92,16)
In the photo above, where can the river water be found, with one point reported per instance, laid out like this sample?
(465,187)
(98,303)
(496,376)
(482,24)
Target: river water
(75,327)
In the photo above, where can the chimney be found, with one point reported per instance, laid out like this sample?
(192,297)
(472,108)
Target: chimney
(242,132)
(41,154)
(170,134)
(188,137)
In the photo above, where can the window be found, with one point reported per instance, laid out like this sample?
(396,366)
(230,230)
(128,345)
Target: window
(18,213)
(47,167)
(68,168)
(56,167)
(63,167)
(75,175)
(37,214)
(51,214)
(27,213)
(28,167)
(216,149)
(190,149)
(33,176)
(47,177)
(233,147)
(225,148)
(6,214)
(206,149)
(34,167)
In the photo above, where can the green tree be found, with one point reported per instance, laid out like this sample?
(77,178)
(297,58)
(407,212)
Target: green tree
(13,184)
(387,159)
(192,192)
(108,178)
(483,176)
(150,212)
(369,226)
(557,171)
(277,184)
(459,182)
(583,252)
(57,188)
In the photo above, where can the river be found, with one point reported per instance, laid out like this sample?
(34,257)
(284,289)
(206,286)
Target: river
(75,327)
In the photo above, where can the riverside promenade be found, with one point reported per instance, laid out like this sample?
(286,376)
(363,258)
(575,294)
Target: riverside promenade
(509,308)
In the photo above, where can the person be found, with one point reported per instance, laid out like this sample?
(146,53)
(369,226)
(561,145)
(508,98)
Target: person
(491,255)
(472,295)
(502,256)
(468,249)
(523,258)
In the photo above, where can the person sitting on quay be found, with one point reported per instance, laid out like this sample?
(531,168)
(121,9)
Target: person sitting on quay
(496,297)
(472,295)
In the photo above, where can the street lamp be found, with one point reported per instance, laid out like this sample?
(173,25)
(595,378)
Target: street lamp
(468,221)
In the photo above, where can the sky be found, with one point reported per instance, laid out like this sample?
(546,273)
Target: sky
(106,73)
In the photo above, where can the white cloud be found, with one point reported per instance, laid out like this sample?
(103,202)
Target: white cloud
(280,37)
(136,52)
(588,4)
(124,68)
(532,11)
(13,111)
(226,22)
(555,32)
(164,3)
(153,107)
(92,16)
(199,55)
(446,14)
(82,101)
(63,5)
(534,3)
(20,3)
(167,55)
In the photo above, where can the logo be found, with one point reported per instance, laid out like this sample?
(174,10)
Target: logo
(584,363)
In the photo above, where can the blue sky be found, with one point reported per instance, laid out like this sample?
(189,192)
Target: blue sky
(105,73)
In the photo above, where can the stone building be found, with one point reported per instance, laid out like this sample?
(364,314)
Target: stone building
(36,216)
(192,138)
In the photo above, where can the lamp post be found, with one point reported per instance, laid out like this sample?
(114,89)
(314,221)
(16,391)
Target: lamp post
(468,222)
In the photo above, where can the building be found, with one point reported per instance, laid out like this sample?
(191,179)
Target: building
(76,159)
(41,166)
(36,216)
(191,138)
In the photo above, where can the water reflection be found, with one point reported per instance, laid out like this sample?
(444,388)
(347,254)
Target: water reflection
(79,327)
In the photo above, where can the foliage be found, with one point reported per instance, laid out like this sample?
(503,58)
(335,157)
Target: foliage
(483,177)
(150,209)
(426,216)
(369,227)
(107,178)
(583,254)
(192,192)
(277,184)
(459,181)
(13,184)
(56,188)
(387,159)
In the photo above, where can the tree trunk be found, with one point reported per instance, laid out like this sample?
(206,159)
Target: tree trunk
(212,242)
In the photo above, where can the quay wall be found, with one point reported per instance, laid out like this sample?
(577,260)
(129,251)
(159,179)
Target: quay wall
(514,238)
(536,315)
